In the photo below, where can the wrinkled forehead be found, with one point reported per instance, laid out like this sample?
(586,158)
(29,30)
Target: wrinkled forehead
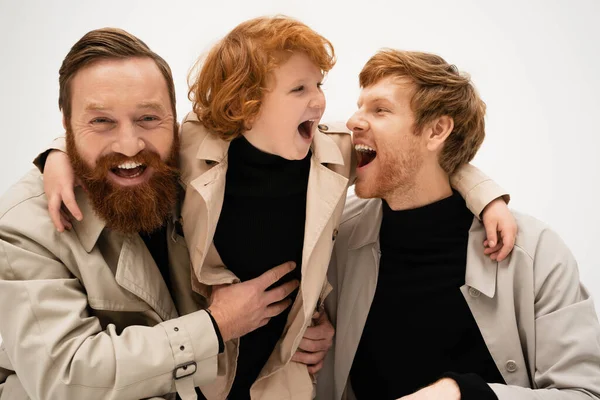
(108,83)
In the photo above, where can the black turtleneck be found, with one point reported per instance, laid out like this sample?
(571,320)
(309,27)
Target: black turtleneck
(261,226)
(419,327)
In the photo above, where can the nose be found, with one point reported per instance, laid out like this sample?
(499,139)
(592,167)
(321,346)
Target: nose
(318,101)
(357,123)
(128,141)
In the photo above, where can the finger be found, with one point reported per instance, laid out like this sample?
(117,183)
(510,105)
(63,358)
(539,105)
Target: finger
(54,211)
(490,232)
(308,358)
(275,274)
(509,242)
(494,249)
(277,308)
(281,292)
(71,204)
(312,346)
(313,369)
(66,223)
(323,330)
(485,243)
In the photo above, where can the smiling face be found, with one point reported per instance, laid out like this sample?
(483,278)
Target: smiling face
(291,109)
(389,153)
(122,142)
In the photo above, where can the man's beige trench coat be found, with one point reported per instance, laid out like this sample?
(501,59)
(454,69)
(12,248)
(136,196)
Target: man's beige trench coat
(537,320)
(86,314)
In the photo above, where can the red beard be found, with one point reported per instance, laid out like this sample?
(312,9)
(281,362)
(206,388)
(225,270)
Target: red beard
(139,208)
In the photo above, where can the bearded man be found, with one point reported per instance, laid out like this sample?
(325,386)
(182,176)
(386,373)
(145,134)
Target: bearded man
(105,310)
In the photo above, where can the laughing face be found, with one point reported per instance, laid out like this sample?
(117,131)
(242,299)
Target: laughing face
(122,142)
(291,109)
(389,153)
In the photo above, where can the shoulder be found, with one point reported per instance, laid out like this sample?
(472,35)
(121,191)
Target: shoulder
(339,133)
(342,137)
(28,192)
(555,269)
(24,218)
(534,235)
(192,130)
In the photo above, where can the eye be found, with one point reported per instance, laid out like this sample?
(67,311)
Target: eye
(149,118)
(381,110)
(101,120)
(298,89)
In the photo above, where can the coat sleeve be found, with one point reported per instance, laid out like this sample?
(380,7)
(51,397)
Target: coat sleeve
(59,350)
(567,332)
(476,188)
(57,144)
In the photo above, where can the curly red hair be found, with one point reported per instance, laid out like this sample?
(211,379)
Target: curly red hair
(227,87)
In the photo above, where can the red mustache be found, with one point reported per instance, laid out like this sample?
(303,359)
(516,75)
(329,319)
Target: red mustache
(111,161)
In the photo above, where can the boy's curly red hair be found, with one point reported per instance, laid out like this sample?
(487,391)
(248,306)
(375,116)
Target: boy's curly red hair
(227,87)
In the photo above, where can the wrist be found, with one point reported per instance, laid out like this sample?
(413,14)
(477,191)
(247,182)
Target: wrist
(450,386)
(221,322)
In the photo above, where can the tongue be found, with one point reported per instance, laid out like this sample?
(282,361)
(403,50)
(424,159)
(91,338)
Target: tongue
(304,129)
(128,173)
(365,157)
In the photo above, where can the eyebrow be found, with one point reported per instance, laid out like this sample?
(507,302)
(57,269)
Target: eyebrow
(145,105)
(375,100)
(96,107)
(152,106)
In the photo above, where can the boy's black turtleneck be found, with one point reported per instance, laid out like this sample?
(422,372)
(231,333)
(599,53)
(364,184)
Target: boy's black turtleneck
(420,327)
(261,226)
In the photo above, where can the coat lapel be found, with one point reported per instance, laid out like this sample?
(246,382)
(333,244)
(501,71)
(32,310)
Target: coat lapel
(496,318)
(138,273)
(356,296)
(325,191)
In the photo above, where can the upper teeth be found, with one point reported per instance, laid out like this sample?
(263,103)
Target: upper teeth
(129,165)
(363,147)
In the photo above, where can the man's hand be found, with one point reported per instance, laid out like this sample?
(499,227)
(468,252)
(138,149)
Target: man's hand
(243,307)
(444,389)
(316,342)
(500,228)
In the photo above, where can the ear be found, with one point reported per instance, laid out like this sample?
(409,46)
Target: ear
(439,131)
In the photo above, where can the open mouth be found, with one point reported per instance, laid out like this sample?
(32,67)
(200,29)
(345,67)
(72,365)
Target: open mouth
(129,170)
(365,154)
(305,129)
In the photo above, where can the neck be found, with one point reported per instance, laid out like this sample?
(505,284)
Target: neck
(431,184)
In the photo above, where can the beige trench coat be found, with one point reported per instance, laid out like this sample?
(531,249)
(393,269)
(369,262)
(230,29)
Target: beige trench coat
(204,168)
(86,314)
(535,317)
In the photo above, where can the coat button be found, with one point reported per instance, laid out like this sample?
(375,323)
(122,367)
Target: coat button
(474,292)
(323,127)
(334,235)
(511,366)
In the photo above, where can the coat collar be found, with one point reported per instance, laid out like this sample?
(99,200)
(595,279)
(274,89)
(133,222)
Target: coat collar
(480,271)
(88,230)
